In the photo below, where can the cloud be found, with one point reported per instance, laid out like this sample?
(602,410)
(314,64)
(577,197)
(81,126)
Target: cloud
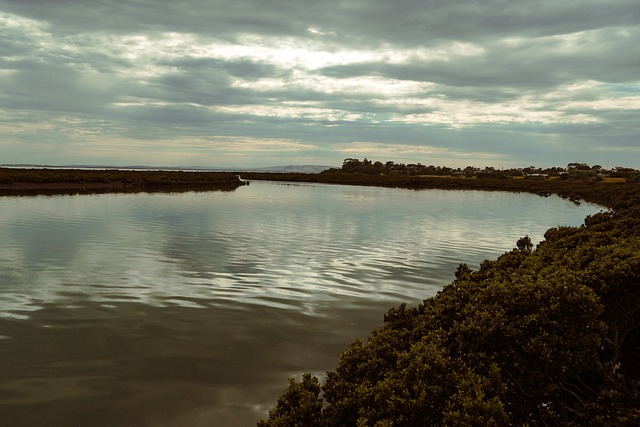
(363,22)
(501,81)
(522,63)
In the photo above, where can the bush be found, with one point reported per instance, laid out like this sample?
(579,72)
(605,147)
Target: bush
(545,336)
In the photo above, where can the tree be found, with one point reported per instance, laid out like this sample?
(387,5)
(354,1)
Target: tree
(525,245)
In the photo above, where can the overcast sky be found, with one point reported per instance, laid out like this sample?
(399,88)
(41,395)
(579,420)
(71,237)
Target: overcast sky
(503,83)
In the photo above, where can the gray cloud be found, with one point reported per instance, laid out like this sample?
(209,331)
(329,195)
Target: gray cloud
(504,81)
(528,64)
(58,89)
(360,21)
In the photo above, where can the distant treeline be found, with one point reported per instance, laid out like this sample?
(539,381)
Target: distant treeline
(572,171)
(38,181)
(541,336)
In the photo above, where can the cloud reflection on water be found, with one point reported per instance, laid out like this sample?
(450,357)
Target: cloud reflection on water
(193,308)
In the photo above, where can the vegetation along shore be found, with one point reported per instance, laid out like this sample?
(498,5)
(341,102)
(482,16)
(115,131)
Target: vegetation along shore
(541,336)
(17,181)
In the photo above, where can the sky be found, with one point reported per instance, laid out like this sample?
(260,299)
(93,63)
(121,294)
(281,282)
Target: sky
(250,83)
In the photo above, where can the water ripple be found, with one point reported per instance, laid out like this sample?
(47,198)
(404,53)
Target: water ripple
(204,303)
(274,245)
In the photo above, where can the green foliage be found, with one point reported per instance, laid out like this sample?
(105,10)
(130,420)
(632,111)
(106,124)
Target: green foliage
(52,181)
(525,245)
(300,405)
(367,167)
(544,336)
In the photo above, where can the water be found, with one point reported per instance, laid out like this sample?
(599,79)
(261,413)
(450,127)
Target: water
(192,309)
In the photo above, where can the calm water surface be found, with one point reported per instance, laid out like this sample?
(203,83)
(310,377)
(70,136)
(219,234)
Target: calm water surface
(192,309)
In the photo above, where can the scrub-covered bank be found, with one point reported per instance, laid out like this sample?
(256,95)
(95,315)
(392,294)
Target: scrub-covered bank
(22,181)
(541,336)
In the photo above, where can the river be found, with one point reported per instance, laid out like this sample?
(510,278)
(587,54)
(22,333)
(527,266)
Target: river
(192,309)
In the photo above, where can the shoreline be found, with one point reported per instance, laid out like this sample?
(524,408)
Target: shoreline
(613,195)
(17,182)
(30,182)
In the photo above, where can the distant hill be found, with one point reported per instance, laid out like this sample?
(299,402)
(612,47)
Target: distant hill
(294,169)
